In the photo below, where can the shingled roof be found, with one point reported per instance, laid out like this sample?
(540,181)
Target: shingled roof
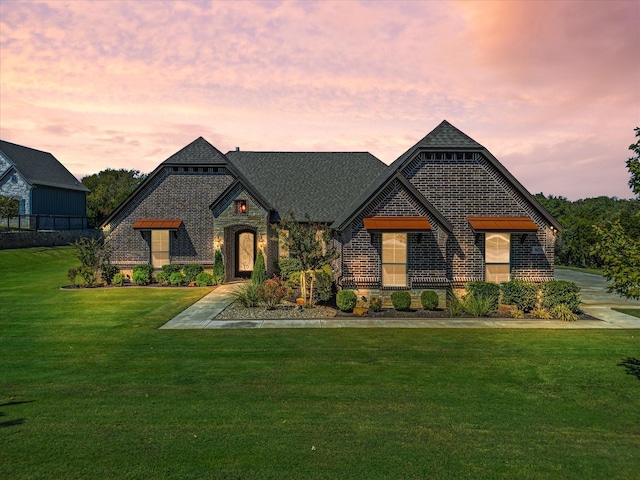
(314,184)
(198,152)
(40,168)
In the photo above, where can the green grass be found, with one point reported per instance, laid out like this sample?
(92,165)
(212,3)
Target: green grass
(595,271)
(90,388)
(634,312)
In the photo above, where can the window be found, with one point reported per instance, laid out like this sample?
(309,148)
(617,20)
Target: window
(497,257)
(394,259)
(160,246)
(240,207)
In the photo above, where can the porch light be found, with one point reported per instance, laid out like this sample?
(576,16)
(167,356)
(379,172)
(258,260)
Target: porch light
(261,242)
(217,243)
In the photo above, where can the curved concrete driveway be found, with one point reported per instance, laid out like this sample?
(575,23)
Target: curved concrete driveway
(597,302)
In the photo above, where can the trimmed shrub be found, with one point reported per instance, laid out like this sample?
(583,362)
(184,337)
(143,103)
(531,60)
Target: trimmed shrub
(561,292)
(218,268)
(204,279)
(429,300)
(519,293)
(88,275)
(479,305)
(515,312)
(259,274)
(272,291)
(290,269)
(346,300)
(191,271)
(170,269)
(144,274)
(118,279)
(375,304)
(323,286)
(247,295)
(454,305)
(176,278)
(564,313)
(140,278)
(540,313)
(108,271)
(486,290)
(162,279)
(401,301)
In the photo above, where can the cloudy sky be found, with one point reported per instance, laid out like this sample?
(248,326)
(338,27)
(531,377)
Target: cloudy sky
(551,88)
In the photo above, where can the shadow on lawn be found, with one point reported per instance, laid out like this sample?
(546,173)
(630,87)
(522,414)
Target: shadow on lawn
(632,365)
(17,421)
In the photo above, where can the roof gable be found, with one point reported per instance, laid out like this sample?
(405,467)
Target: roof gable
(40,168)
(316,185)
(197,152)
(447,136)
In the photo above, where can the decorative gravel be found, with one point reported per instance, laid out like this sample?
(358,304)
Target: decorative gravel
(235,311)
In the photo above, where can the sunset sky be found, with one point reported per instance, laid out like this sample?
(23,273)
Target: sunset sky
(551,88)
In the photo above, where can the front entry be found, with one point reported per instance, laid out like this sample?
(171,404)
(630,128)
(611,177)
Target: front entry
(245,253)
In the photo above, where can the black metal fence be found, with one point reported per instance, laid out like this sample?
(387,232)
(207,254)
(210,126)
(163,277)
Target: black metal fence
(43,222)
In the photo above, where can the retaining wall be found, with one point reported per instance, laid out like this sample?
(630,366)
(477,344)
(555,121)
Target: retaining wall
(44,239)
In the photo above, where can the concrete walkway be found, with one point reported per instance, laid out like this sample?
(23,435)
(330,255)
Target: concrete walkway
(597,302)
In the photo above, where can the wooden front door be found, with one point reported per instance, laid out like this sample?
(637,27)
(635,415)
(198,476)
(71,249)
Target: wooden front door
(245,253)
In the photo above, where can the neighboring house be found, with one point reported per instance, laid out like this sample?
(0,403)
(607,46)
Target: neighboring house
(42,185)
(444,213)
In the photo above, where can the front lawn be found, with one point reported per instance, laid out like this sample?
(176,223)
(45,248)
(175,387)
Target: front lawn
(634,312)
(90,388)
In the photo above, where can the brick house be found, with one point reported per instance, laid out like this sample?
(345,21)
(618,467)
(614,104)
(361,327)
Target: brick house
(43,187)
(444,213)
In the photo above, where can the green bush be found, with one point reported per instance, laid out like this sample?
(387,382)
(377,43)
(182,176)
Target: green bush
(191,271)
(170,269)
(118,279)
(486,290)
(401,301)
(218,268)
(162,279)
(176,279)
(454,305)
(108,271)
(247,295)
(204,279)
(323,286)
(375,304)
(540,313)
(429,300)
(290,269)
(346,300)
(144,274)
(140,277)
(519,293)
(479,305)
(560,292)
(515,312)
(564,313)
(88,275)
(272,291)
(72,273)
(259,273)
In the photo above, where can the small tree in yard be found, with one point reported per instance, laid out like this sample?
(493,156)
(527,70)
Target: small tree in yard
(310,244)
(259,274)
(9,207)
(93,255)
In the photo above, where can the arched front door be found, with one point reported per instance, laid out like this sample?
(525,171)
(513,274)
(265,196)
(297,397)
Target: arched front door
(245,253)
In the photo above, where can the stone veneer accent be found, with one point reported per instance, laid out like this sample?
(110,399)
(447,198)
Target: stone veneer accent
(15,186)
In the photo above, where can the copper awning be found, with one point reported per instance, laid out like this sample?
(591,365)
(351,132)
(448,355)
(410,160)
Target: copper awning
(502,224)
(404,224)
(157,224)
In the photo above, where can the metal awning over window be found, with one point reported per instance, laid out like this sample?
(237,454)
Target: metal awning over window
(157,224)
(502,224)
(401,224)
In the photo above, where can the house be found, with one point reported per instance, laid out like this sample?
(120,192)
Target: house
(44,188)
(444,213)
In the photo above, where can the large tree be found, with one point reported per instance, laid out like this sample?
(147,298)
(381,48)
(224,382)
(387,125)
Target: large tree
(9,207)
(108,189)
(633,164)
(619,248)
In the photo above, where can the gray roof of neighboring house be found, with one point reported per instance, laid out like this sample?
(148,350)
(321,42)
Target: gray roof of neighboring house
(315,184)
(40,168)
